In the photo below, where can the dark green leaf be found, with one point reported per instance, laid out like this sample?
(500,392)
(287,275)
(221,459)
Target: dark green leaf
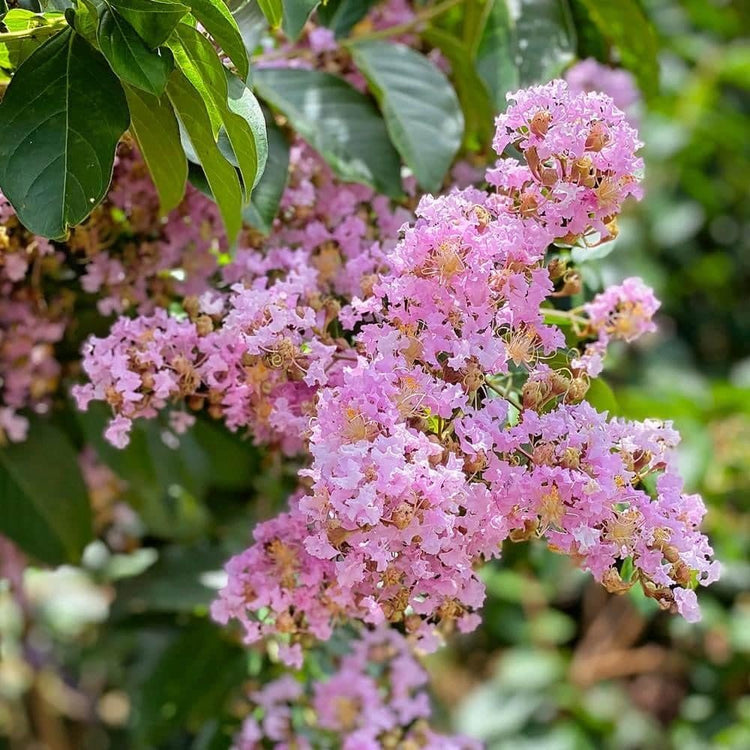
(45,506)
(296,13)
(154,127)
(221,175)
(154,20)
(591,43)
(339,122)
(176,583)
(264,204)
(129,56)
(273,10)
(197,177)
(420,107)
(342,15)
(189,684)
(475,100)
(58,147)
(545,40)
(240,115)
(215,17)
(624,24)
(165,485)
(496,63)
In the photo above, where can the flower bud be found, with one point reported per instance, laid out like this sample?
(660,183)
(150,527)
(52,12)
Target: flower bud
(539,124)
(557,268)
(576,390)
(598,137)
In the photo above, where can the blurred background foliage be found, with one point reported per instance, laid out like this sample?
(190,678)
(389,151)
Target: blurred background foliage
(119,653)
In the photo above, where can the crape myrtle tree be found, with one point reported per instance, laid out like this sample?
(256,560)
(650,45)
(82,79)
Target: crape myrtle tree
(305,277)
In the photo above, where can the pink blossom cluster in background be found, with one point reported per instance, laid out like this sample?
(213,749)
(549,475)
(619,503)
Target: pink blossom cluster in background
(375,698)
(591,75)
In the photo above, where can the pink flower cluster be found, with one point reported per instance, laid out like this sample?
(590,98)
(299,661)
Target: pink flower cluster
(447,432)
(625,312)
(30,325)
(254,350)
(581,160)
(375,698)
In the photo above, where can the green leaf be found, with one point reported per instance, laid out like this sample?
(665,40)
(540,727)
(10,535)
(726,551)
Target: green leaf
(165,485)
(154,20)
(472,93)
(625,25)
(45,506)
(199,72)
(190,683)
(176,583)
(58,146)
(495,62)
(154,127)
(296,13)
(264,204)
(240,116)
(38,28)
(251,23)
(243,103)
(545,40)
(342,15)
(85,20)
(420,107)
(338,121)
(273,10)
(215,17)
(221,175)
(129,56)
(602,397)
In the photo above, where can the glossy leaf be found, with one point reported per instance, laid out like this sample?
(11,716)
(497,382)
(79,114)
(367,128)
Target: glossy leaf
(273,10)
(242,102)
(342,15)
(215,17)
(251,23)
(545,40)
(240,117)
(221,175)
(154,127)
(472,92)
(496,63)
(420,107)
(339,122)
(130,57)
(625,25)
(57,148)
(264,204)
(154,20)
(296,13)
(45,505)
